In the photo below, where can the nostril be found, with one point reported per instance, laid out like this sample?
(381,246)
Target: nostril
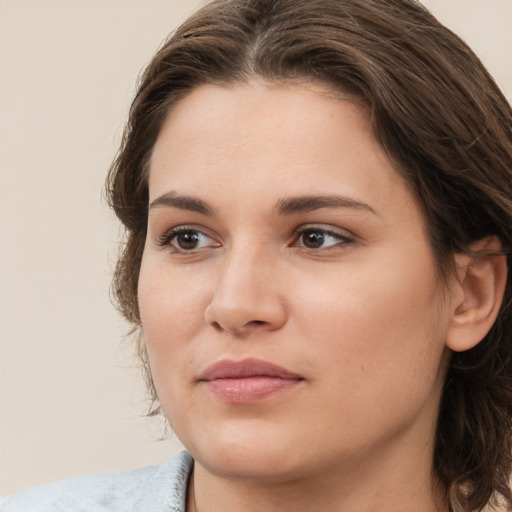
(217,326)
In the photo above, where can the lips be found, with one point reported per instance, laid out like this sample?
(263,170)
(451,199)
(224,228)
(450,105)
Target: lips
(248,381)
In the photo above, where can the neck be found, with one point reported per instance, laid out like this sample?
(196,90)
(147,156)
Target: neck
(390,486)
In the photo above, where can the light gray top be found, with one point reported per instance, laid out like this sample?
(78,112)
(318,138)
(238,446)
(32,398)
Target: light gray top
(160,488)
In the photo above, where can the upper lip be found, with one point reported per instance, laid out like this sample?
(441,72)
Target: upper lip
(231,369)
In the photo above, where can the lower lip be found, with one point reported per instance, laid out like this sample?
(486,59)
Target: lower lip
(249,389)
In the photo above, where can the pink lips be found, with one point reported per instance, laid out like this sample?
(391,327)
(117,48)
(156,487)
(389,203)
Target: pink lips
(247,381)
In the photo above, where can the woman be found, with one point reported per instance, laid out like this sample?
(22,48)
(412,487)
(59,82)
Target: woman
(318,199)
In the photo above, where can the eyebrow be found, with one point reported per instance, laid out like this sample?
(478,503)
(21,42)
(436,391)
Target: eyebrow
(171,199)
(287,206)
(302,204)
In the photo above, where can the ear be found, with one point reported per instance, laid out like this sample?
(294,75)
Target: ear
(477,293)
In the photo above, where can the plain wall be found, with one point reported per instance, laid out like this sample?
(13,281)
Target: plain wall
(71,401)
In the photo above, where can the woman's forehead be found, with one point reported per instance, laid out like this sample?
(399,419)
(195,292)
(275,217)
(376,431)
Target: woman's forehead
(290,134)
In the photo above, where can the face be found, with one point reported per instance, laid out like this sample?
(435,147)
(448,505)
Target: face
(288,294)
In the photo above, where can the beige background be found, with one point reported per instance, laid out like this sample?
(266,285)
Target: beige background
(70,399)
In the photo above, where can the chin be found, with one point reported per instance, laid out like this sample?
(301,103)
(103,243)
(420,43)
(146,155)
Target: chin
(256,452)
(256,465)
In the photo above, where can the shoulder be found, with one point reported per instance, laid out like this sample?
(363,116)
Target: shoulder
(159,488)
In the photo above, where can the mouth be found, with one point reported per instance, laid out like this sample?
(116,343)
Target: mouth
(248,381)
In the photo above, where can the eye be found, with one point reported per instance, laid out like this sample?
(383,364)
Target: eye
(185,239)
(320,238)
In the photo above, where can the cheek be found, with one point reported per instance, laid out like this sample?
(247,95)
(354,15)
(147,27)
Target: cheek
(378,329)
(172,312)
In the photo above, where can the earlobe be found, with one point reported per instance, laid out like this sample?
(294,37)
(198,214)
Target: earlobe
(477,293)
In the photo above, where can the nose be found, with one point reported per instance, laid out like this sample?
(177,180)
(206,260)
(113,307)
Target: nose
(246,297)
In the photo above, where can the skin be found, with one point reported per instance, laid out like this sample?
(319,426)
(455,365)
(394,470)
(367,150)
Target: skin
(361,316)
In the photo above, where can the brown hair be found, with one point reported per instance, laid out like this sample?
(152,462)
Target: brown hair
(437,113)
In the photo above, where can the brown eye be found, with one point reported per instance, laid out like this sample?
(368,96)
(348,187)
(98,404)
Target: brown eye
(184,239)
(313,238)
(187,240)
(317,238)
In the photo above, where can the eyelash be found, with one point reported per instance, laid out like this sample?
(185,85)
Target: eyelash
(343,240)
(171,234)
